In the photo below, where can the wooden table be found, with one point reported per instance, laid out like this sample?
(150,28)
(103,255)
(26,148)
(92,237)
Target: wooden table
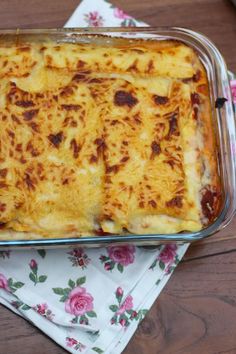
(196,312)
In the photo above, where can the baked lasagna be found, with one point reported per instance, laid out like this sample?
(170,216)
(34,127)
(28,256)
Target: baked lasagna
(101,138)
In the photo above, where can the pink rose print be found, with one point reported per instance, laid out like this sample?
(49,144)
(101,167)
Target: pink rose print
(94,19)
(118,13)
(41,309)
(4,282)
(119,291)
(107,266)
(33,264)
(70,342)
(44,311)
(168,253)
(167,259)
(79,258)
(134,315)
(127,305)
(122,322)
(73,343)
(78,301)
(33,275)
(233,89)
(120,256)
(123,311)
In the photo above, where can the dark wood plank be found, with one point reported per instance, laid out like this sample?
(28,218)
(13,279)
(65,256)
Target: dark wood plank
(214,18)
(19,336)
(223,242)
(35,13)
(196,312)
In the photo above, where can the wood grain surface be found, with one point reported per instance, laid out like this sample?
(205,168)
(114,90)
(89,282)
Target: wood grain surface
(196,312)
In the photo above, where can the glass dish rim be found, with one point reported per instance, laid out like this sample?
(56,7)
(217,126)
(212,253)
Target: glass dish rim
(129,238)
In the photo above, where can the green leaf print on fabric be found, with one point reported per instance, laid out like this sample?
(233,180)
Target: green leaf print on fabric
(10,285)
(98,350)
(167,260)
(124,312)
(33,275)
(42,253)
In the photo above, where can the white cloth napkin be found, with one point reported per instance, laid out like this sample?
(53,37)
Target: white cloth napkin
(87,300)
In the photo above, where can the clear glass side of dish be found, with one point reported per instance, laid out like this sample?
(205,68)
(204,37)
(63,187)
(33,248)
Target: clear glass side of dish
(224,123)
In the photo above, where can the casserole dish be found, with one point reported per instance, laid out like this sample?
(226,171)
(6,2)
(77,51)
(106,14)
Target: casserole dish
(220,106)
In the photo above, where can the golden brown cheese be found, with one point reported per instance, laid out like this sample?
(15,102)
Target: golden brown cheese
(105,139)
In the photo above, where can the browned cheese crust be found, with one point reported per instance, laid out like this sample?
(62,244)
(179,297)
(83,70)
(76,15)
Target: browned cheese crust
(98,138)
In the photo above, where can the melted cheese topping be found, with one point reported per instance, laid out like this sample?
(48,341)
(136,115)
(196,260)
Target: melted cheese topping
(104,139)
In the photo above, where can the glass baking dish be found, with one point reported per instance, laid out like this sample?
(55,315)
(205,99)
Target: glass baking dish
(223,116)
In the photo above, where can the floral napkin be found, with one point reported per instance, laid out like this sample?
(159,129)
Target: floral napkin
(233,88)
(88,300)
(101,13)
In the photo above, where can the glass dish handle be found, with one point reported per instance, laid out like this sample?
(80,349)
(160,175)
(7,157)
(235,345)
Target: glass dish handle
(232,78)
